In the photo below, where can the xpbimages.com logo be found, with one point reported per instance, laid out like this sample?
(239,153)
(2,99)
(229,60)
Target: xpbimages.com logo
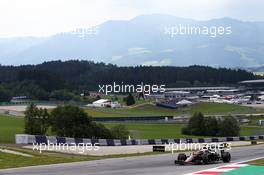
(211,31)
(125,88)
(79,148)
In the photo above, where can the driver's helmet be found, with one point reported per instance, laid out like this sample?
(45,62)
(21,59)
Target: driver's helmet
(205,147)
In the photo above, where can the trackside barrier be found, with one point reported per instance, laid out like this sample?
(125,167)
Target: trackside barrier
(158,148)
(30,139)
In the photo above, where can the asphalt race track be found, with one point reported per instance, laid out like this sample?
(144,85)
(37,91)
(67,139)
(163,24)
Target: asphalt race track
(154,164)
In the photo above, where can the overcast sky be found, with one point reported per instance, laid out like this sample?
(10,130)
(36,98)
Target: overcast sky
(47,17)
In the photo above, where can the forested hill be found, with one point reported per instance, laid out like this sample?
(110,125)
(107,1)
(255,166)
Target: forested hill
(40,80)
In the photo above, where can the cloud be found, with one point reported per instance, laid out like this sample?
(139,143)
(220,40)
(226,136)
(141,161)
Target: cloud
(163,62)
(138,51)
(168,50)
(116,57)
(202,46)
(47,17)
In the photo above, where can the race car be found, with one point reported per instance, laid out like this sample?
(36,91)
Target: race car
(203,156)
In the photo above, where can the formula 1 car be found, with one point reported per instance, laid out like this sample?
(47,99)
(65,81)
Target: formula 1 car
(203,156)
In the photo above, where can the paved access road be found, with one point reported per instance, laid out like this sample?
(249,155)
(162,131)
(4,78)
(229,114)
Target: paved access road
(143,165)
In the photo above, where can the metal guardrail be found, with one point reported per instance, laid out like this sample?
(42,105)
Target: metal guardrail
(12,113)
(36,139)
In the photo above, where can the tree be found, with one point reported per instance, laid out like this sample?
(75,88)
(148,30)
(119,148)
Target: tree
(99,131)
(114,98)
(62,95)
(70,121)
(120,132)
(37,80)
(195,126)
(4,95)
(36,120)
(130,100)
(229,126)
(211,126)
(29,89)
(98,97)
(185,131)
(253,97)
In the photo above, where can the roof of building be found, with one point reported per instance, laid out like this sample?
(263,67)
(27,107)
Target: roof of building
(252,81)
(198,88)
(223,90)
(177,92)
(184,102)
(102,101)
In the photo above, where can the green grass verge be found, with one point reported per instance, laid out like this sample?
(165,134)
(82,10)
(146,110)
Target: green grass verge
(257,162)
(8,160)
(13,161)
(251,130)
(152,110)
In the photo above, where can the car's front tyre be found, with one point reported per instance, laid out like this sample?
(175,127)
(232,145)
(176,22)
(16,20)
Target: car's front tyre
(226,157)
(181,158)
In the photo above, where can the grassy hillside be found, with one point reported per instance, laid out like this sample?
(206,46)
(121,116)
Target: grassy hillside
(152,110)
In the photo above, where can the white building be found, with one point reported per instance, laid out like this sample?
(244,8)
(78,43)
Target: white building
(103,103)
(176,94)
(184,103)
(261,122)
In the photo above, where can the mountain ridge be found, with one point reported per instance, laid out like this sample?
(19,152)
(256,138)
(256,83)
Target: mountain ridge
(141,41)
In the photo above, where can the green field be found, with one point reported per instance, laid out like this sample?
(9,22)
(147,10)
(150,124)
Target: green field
(158,131)
(152,131)
(9,126)
(152,110)
(251,130)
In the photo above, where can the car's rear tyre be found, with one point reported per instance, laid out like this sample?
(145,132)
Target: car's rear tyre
(181,158)
(205,158)
(226,157)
